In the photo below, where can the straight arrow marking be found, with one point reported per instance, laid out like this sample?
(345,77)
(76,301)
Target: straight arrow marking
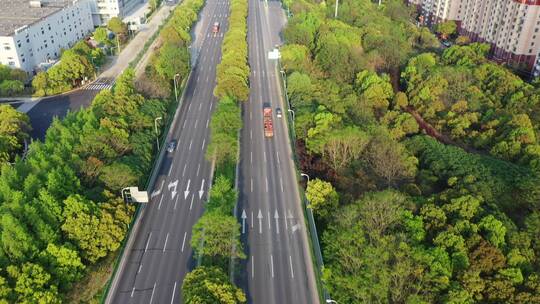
(260,217)
(186,193)
(201,192)
(244,217)
(173,185)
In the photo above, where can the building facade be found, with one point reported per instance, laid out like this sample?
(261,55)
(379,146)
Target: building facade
(512,27)
(32,34)
(104,10)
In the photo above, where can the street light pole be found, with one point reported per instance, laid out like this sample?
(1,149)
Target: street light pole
(175,89)
(155,127)
(330,301)
(306,176)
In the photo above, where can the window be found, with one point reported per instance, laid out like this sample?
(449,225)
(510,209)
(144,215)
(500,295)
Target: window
(23,60)
(7,48)
(12,63)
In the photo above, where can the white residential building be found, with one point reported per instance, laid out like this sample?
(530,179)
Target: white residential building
(32,33)
(104,10)
(512,27)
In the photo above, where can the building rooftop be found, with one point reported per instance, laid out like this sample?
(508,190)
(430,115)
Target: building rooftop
(15,14)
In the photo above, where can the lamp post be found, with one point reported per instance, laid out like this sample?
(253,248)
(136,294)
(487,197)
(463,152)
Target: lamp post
(155,127)
(175,89)
(292,113)
(330,301)
(306,176)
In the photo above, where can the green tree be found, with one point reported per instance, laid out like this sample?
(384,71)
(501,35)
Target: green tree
(219,233)
(323,198)
(446,29)
(33,284)
(116,25)
(210,285)
(172,60)
(14,129)
(101,35)
(64,263)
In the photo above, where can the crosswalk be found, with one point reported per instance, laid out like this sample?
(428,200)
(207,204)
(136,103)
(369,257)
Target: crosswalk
(100,84)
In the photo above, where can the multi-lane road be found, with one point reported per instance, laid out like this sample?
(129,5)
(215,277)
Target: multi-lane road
(160,254)
(279,265)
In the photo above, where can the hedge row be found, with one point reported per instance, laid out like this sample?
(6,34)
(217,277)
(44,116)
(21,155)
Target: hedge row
(233,71)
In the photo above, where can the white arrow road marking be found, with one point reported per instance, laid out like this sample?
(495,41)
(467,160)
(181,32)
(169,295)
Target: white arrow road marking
(173,185)
(201,192)
(186,193)
(276,217)
(260,216)
(244,217)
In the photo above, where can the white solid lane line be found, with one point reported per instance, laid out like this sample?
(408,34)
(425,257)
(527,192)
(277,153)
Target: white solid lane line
(160,200)
(272,264)
(166,239)
(152,296)
(292,271)
(184,241)
(252,268)
(173,291)
(148,242)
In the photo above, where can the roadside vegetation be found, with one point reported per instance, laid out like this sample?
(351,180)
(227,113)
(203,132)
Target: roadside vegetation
(14,129)
(424,161)
(171,55)
(11,81)
(76,65)
(61,211)
(216,235)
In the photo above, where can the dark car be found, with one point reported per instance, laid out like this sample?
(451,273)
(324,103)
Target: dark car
(171,146)
(278,112)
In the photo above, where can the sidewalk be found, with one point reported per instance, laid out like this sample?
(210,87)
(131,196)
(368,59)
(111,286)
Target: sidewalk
(131,51)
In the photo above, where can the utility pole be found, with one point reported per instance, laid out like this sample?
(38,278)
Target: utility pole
(337,3)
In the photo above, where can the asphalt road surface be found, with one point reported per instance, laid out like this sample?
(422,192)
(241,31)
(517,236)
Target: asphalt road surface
(279,265)
(161,254)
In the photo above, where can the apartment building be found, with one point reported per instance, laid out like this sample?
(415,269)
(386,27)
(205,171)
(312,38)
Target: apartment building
(512,27)
(104,10)
(32,33)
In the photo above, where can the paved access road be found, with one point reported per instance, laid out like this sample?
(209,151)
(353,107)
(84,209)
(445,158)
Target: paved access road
(279,267)
(160,256)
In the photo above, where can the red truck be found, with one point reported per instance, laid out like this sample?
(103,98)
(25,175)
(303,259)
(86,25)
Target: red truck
(267,121)
(215,28)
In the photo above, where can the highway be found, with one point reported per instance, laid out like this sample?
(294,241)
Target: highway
(160,255)
(279,265)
